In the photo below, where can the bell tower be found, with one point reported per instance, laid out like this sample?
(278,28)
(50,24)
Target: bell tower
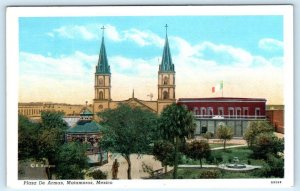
(166,78)
(102,86)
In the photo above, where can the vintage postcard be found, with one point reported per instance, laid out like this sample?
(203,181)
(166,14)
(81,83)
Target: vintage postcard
(150,97)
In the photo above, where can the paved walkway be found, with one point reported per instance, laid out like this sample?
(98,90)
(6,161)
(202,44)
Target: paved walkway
(228,147)
(137,161)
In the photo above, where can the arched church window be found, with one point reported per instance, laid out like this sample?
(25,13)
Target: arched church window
(166,80)
(101,95)
(165,95)
(100,81)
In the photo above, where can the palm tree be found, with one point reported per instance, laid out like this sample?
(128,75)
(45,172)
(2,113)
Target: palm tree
(175,122)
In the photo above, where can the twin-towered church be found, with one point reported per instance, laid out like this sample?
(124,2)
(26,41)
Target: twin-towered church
(166,84)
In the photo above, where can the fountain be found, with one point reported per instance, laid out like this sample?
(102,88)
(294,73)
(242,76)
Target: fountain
(236,164)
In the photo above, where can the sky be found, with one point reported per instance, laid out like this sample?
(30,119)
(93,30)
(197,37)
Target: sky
(58,56)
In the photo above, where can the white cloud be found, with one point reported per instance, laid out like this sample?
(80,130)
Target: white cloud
(74,32)
(270,44)
(112,33)
(143,38)
(198,68)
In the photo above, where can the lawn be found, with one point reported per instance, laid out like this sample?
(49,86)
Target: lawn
(196,173)
(243,154)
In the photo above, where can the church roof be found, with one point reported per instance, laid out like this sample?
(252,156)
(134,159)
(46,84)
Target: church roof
(166,62)
(91,127)
(102,66)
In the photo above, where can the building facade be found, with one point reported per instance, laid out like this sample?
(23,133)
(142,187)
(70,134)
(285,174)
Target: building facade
(234,112)
(275,114)
(166,84)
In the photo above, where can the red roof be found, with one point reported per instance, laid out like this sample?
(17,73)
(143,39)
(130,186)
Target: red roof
(220,99)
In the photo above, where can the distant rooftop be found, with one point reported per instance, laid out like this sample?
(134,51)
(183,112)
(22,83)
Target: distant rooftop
(221,99)
(91,127)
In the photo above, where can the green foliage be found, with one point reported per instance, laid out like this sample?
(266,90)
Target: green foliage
(198,150)
(255,128)
(71,161)
(208,135)
(52,119)
(175,124)
(210,174)
(27,138)
(97,175)
(175,121)
(265,144)
(51,137)
(164,152)
(128,130)
(224,132)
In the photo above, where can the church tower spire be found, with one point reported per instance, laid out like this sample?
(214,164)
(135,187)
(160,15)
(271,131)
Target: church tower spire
(102,80)
(166,77)
(166,62)
(102,66)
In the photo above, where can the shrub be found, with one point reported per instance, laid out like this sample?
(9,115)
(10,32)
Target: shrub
(210,174)
(97,175)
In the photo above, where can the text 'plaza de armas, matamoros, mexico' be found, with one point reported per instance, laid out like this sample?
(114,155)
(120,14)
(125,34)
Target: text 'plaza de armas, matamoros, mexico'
(209,112)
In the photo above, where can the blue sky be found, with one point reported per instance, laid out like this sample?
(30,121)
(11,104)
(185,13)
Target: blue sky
(58,56)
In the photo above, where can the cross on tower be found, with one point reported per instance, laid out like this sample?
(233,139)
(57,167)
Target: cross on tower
(103,28)
(166,28)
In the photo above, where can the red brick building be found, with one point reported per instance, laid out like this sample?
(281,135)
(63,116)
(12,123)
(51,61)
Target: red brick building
(235,112)
(275,114)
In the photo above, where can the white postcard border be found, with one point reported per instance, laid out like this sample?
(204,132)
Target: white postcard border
(12,59)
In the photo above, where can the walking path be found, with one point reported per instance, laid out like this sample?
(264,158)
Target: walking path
(228,147)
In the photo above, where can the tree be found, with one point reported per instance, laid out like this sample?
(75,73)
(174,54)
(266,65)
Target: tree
(174,123)
(254,129)
(164,152)
(266,144)
(208,135)
(224,132)
(128,130)
(51,137)
(198,150)
(71,161)
(27,138)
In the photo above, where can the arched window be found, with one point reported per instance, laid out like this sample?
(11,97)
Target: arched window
(100,95)
(196,111)
(203,111)
(166,80)
(165,95)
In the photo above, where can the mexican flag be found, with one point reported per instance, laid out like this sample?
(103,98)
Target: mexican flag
(217,87)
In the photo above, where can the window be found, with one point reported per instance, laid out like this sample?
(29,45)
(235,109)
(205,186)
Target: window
(238,112)
(245,111)
(196,111)
(221,111)
(257,112)
(101,82)
(165,95)
(100,95)
(210,111)
(166,80)
(230,111)
(203,111)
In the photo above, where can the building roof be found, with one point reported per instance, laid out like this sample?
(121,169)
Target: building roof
(221,99)
(102,66)
(86,112)
(91,127)
(166,62)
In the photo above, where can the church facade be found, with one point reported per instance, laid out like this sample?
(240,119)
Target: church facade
(166,84)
